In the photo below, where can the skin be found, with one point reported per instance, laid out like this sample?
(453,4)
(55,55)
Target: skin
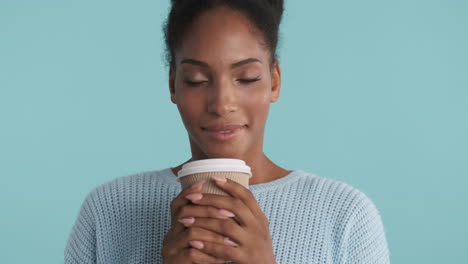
(208,90)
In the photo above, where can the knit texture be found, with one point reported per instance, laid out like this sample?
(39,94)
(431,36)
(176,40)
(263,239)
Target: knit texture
(312,220)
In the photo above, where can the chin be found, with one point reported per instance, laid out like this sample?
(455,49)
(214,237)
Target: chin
(223,154)
(213,150)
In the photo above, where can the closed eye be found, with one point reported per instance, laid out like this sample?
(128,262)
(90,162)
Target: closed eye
(249,80)
(192,83)
(244,81)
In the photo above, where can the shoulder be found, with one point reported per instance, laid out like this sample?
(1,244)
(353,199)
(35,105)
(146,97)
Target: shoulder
(353,201)
(136,186)
(334,192)
(344,206)
(354,217)
(138,180)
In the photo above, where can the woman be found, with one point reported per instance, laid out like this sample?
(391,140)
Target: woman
(224,74)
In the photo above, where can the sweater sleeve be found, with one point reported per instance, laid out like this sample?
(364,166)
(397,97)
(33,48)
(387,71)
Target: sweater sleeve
(366,242)
(81,245)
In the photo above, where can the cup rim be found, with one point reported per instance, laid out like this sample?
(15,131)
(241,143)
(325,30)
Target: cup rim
(213,165)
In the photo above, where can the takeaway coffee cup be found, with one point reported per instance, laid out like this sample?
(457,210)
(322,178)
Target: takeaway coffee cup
(234,169)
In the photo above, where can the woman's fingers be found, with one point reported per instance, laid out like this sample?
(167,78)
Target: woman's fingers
(177,244)
(180,200)
(201,211)
(197,256)
(191,238)
(221,227)
(200,234)
(241,213)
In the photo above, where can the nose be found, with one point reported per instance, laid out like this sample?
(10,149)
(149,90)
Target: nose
(222,99)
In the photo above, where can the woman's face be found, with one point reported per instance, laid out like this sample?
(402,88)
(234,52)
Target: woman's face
(223,83)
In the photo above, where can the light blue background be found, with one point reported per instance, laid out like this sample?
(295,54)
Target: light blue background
(375,94)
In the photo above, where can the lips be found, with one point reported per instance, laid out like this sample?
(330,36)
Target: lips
(224,132)
(223,128)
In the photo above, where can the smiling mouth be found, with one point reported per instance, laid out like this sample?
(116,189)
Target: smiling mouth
(224,133)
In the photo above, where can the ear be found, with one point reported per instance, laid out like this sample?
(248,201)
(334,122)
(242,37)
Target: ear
(275,81)
(172,83)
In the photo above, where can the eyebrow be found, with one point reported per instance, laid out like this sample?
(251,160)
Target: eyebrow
(234,65)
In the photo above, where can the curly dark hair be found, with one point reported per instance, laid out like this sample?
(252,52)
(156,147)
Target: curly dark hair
(264,14)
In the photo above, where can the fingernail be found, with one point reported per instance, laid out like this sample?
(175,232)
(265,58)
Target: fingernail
(196,244)
(194,196)
(226,213)
(220,179)
(230,242)
(187,220)
(198,184)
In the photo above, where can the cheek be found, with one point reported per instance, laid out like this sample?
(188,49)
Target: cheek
(258,93)
(264,94)
(190,106)
(258,103)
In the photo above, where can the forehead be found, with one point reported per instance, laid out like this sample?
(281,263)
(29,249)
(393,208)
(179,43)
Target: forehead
(222,36)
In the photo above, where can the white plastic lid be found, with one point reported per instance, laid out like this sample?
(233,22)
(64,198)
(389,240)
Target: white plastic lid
(211,165)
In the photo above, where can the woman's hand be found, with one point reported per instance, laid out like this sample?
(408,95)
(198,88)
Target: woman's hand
(252,234)
(176,247)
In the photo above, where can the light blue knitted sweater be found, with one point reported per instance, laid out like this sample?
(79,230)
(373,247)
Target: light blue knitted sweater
(312,220)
